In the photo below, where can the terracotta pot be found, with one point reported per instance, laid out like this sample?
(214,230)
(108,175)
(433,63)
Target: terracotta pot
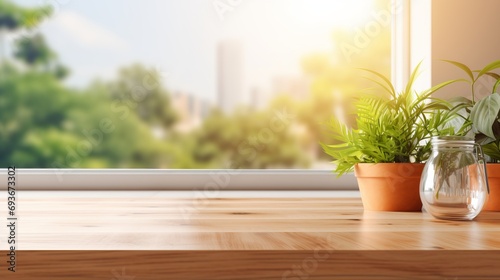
(493,203)
(390,186)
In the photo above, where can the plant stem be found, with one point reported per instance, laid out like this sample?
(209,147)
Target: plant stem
(473,91)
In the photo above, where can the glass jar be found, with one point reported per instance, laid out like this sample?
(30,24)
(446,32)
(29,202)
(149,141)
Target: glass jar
(454,183)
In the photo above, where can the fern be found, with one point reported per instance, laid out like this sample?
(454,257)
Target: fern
(390,127)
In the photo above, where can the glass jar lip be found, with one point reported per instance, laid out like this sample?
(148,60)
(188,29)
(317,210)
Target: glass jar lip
(452,140)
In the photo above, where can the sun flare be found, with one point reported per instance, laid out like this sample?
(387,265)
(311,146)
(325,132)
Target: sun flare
(343,13)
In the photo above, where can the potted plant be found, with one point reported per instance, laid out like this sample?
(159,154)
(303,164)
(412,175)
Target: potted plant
(390,142)
(484,123)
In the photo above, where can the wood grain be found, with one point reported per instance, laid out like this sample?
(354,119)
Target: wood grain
(247,238)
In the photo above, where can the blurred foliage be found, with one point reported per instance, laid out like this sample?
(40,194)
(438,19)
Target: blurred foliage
(33,50)
(44,124)
(335,76)
(248,139)
(142,90)
(112,124)
(13,16)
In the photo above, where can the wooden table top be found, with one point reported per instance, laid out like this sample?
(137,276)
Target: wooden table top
(175,238)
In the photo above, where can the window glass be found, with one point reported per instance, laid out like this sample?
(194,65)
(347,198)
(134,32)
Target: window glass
(182,84)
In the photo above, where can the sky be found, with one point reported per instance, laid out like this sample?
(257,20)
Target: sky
(179,37)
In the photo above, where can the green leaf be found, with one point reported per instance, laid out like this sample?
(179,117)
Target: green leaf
(413,77)
(496,86)
(492,66)
(460,100)
(388,85)
(485,113)
(463,67)
(493,150)
(435,88)
(493,75)
(482,139)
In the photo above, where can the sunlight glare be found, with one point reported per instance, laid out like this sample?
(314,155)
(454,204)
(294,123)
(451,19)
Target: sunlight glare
(345,13)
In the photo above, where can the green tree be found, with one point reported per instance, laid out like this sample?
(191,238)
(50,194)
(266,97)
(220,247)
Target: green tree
(14,17)
(109,137)
(45,124)
(247,139)
(31,104)
(34,50)
(141,89)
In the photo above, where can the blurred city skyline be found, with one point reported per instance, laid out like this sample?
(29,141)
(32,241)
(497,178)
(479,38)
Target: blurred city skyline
(129,84)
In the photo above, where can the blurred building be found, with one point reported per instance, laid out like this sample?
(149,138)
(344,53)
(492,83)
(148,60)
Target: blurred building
(229,75)
(258,98)
(190,109)
(295,87)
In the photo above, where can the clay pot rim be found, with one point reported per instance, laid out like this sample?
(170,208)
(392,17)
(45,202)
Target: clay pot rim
(394,163)
(388,170)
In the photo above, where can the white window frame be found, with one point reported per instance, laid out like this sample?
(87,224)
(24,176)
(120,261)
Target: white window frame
(180,179)
(218,179)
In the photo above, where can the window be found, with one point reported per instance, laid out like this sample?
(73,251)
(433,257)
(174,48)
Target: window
(183,85)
